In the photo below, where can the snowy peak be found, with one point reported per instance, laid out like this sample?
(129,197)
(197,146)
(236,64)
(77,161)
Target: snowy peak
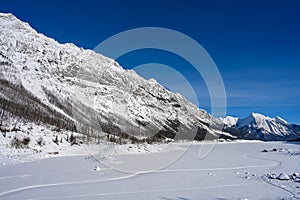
(9,21)
(254,120)
(260,121)
(230,121)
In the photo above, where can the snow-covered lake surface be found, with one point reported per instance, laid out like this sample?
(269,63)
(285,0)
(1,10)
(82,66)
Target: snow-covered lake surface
(237,170)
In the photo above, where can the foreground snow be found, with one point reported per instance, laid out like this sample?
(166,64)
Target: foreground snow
(243,170)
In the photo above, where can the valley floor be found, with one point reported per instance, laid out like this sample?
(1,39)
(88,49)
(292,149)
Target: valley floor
(175,171)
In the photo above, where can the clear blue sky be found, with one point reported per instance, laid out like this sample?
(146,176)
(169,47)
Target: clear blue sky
(255,44)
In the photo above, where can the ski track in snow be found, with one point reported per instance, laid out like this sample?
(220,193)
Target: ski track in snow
(145,191)
(6,193)
(44,174)
(265,179)
(277,163)
(9,192)
(143,172)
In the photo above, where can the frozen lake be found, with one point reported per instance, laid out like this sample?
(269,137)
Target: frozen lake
(229,171)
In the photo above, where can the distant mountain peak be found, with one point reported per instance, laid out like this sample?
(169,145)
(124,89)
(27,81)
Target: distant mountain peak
(259,126)
(259,116)
(230,121)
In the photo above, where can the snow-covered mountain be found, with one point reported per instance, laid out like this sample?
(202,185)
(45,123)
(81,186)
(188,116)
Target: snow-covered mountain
(258,126)
(76,89)
(230,121)
(80,90)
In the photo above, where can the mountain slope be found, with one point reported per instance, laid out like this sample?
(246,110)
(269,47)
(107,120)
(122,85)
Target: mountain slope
(77,89)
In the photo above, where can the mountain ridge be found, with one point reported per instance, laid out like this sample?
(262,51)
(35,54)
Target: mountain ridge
(259,126)
(90,91)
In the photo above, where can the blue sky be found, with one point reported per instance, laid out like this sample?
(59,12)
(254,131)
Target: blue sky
(255,44)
